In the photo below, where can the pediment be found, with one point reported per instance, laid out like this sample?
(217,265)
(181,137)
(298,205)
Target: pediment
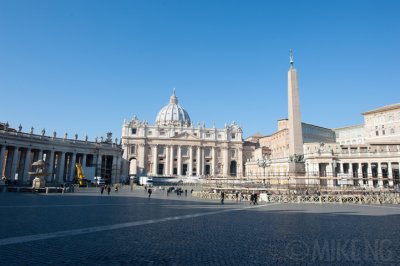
(186,136)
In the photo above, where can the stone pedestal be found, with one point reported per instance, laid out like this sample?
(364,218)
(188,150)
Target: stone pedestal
(297,169)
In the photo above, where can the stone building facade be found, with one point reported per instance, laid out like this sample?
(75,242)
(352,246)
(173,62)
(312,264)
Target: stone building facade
(18,150)
(174,147)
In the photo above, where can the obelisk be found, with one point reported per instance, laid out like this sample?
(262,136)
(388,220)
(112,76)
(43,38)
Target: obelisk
(296,161)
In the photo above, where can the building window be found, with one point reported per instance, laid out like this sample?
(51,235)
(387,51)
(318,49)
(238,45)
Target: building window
(377,133)
(208,135)
(184,152)
(161,150)
(133,149)
(233,136)
(219,136)
(150,133)
(207,153)
(392,131)
(383,132)
(162,133)
(133,131)
(176,134)
(233,153)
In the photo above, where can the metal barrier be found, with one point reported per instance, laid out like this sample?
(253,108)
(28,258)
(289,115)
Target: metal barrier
(387,198)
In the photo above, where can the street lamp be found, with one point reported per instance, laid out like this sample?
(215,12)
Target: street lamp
(264,162)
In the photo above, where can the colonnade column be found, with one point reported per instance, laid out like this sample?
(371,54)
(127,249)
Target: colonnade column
(380,177)
(213,161)
(84,158)
(40,155)
(2,153)
(360,175)
(329,174)
(351,173)
(60,166)
(72,167)
(14,163)
(155,160)
(198,172)
(50,170)
(390,174)
(190,161)
(27,165)
(369,175)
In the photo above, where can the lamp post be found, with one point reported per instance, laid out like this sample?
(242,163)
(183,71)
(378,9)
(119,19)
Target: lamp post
(264,163)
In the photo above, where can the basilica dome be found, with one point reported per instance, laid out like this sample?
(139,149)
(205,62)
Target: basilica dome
(173,114)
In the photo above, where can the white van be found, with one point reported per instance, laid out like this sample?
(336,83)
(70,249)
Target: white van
(99,180)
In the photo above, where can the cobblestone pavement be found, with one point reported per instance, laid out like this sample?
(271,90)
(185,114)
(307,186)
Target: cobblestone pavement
(128,228)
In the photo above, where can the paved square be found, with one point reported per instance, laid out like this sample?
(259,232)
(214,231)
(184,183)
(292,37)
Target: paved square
(128,228)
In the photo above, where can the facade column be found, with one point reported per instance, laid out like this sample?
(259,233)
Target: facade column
(390,174)
(72,167)
(171,170)
(14,163)
(61,165)
(213,162)
(240,170)
(50,169)
(2,153)
(203,160)
(380,177)
(199,172)
(142,158)
(155,160)
(167,160)
(27,165)
(179,160)
(225,157)
(190,161)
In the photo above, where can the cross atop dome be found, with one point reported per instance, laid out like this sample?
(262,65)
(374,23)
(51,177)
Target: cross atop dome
(173,99)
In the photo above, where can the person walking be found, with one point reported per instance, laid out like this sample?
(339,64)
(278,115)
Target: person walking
(255,199)
(108,189)
(222,197)
(150,191)
(102,190)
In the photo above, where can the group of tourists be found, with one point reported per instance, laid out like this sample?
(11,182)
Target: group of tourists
(105,188)
(240,196)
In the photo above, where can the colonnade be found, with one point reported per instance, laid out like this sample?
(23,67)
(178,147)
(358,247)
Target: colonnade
(16,162)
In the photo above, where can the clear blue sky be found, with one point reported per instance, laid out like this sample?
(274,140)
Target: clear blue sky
(84,66)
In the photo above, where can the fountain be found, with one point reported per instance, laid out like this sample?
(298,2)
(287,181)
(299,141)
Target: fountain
(39,182)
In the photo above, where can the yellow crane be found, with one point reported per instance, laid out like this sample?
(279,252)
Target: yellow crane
(81,176)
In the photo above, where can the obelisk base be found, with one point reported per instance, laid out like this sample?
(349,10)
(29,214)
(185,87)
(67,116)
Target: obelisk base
(297,169)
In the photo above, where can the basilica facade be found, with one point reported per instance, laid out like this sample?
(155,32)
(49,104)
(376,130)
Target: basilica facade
(175,147)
